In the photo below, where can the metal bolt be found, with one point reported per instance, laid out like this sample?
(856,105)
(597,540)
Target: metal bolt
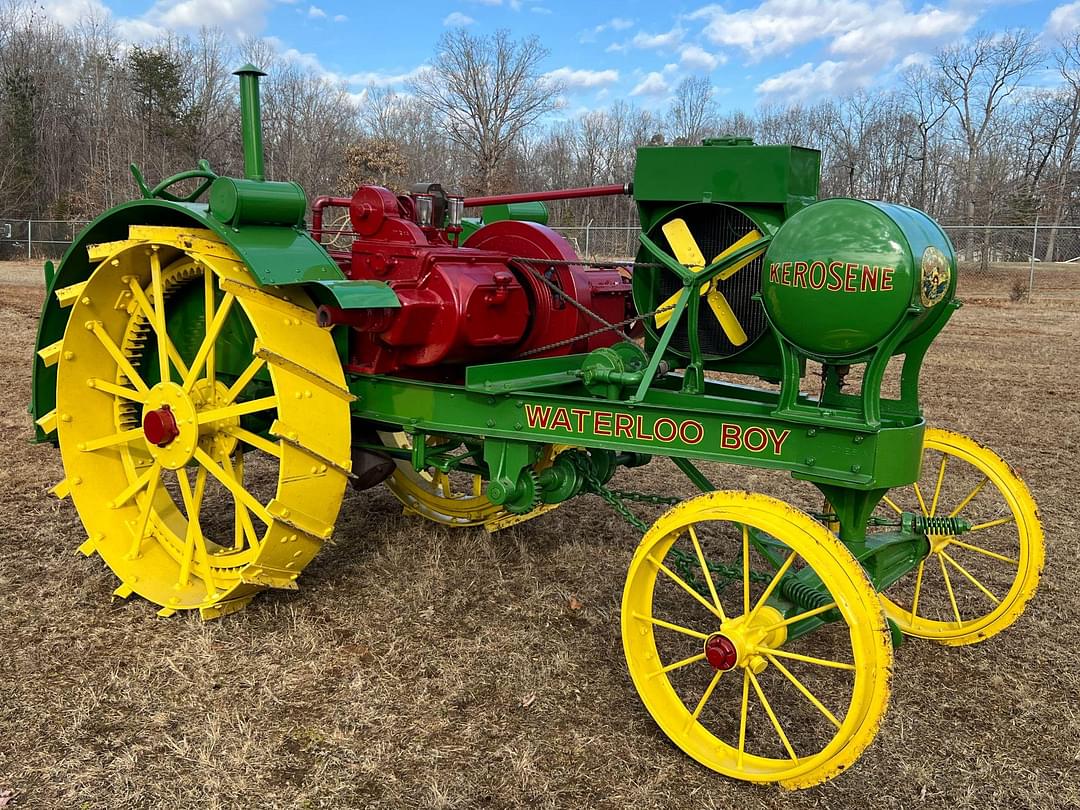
(491,423)
(811,432)
(810,461)
(855,468)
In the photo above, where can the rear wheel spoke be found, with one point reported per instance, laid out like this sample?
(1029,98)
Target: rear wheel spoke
(772,715)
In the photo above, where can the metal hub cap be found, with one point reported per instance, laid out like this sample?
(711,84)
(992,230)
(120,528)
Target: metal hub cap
(720,652)
(159,426)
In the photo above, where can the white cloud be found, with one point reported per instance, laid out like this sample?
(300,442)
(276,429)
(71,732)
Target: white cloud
(457,19)
(540,10)
(853,27)
(582,79)
(652,85)
(70,12)
(375,78)
(236,17)
(1064,18)
(620,23)
(666,40)
(316,13)
(810,81)
(694,57)
(616,47)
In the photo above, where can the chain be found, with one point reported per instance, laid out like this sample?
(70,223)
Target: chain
(614,265)
(580,307)
(685,564)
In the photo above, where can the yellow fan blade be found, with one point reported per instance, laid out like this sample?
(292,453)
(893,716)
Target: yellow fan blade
(753,236)
(665,316)
(683,244)
(726,315)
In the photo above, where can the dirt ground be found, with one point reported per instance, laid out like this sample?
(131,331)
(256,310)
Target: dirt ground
(422,668)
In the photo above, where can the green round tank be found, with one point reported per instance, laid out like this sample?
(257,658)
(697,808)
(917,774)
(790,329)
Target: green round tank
(257,202)
(843,275)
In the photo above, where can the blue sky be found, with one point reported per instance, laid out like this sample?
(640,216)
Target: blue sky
(754,52)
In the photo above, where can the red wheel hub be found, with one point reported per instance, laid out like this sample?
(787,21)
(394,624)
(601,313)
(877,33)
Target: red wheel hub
(159,426)
(720,652)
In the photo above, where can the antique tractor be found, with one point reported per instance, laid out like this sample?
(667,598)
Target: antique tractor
(215,375)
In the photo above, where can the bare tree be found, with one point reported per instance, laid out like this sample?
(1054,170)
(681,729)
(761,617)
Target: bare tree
(692,114)
(489,90)
(975,80)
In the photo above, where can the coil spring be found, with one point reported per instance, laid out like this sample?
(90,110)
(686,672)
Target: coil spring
(805,596)
(937,525)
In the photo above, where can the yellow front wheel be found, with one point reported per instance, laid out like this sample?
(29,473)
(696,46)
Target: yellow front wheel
(711,596)
(201,419)
(975,584)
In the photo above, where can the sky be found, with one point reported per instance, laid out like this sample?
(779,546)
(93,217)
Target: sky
(605,50)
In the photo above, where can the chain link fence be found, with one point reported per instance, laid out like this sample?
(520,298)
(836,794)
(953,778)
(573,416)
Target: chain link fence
(995,261)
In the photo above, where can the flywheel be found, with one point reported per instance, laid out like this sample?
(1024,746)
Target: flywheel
(203,422)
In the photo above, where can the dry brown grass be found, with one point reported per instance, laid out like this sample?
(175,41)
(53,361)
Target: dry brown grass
(397,676)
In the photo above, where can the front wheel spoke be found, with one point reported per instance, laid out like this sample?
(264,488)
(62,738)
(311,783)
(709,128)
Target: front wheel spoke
(121,391)
(693,659)
(192,506)
(678,628)
(806,692)
(922,501)
(159,313)
(209,291)
(255,440)
(772,716)
(162,334)
(978,527)
(118,357)
(772,586)
(949,588)
(123,437)
(230,483)
(136,486)
(212,332)
(970,578)
(808,659)
(246,376)
(809,614)
(744,710)
(892,505)
(705,572)
(678,581)
(704,699)
(970,497)
(937,487)
(237,409)
(980,550)
(144,513)
(918,589)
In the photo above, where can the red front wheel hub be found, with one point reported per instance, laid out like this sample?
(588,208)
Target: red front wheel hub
(720,652)
(159,426)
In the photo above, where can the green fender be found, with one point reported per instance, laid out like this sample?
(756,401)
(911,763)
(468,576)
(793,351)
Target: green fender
(274,255)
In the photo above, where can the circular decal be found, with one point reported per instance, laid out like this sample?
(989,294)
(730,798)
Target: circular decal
(936,275)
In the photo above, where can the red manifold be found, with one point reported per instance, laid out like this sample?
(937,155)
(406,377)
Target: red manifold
(476,303)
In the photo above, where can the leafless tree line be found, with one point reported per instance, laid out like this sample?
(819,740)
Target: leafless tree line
(967,136)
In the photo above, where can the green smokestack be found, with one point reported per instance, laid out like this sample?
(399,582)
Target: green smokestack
(251,121)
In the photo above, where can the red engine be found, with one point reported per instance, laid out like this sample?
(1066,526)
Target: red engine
(474,303)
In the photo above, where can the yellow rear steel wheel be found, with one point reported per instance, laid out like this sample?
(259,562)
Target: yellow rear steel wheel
(794,711)
(203,422)
(976,584)
(457,499)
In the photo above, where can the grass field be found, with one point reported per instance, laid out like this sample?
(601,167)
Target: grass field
(422,668)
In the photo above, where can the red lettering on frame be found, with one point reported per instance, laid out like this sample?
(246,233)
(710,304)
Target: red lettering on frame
(602,423)
(624,425)
(537,416)
(755,446)
(699,431)
(669,425)
(778,439)
(580,414)
(730,436)
(562,419)
(641,434)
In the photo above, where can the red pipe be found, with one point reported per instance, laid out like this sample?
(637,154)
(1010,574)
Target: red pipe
(558,194)
(317,209)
